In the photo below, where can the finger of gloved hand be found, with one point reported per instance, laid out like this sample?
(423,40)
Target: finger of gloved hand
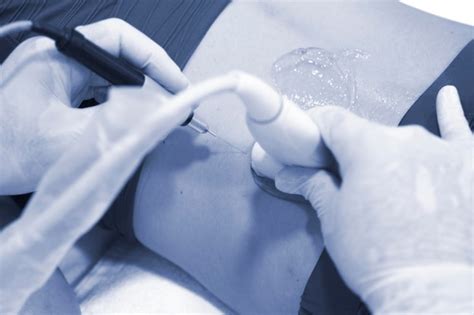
(151,95)
(121,39)
(452,122)
(78,189)
(317,186)
(128,121)
(345,134)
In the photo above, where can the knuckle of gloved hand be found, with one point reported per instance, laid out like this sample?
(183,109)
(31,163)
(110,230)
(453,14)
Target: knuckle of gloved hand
(327,115)
(116,23)
(107,31)
(35,45)
(341,127)
(115,27)
(293,179)
(319,188)
(410,138)
(414,132)
(111,25)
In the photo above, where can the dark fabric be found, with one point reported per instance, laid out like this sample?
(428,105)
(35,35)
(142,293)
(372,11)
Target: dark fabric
(325,292)
(459,73)
(177,25)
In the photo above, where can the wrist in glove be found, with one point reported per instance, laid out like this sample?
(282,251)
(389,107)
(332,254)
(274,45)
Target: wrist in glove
(438,288)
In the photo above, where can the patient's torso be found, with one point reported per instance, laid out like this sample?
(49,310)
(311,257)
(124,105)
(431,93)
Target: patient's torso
(407,50)
(196,189)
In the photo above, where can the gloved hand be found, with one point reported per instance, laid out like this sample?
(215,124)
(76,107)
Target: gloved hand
(397,219)
(40,89)
(76,191)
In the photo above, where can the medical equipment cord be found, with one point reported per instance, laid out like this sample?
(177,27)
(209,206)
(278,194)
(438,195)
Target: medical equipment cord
(115,70)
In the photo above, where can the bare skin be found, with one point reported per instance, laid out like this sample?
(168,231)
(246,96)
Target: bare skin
(197,204)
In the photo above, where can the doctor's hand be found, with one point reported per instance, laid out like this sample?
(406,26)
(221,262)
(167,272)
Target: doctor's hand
(40,88)
(397,219)
(79,187)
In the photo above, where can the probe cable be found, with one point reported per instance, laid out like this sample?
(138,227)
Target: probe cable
(115,70)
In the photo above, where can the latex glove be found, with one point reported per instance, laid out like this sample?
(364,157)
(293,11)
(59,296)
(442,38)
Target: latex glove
(39,88)
(77,190)
(397,219)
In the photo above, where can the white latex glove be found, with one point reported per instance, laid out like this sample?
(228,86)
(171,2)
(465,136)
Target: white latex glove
(398,218)
(77,190)
(39,88)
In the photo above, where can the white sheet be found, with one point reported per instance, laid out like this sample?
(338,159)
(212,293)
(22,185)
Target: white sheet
(130,279)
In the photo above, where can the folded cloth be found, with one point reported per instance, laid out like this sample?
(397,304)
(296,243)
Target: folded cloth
(130,279)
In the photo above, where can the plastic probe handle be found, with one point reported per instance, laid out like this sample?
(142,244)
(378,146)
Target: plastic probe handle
(115,70)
